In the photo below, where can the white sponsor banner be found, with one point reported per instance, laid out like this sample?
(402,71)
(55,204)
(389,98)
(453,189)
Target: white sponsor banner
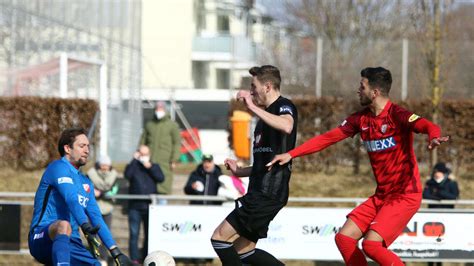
(306,233)
(431,234)
(184,231)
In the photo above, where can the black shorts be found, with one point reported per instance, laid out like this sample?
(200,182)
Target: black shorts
(252,215)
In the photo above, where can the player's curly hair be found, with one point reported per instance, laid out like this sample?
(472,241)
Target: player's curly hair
(267,73)
(378,77)
(68,136)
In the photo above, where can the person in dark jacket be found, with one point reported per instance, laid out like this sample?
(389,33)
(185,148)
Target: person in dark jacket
(143,175)
(204,180)
(440,186)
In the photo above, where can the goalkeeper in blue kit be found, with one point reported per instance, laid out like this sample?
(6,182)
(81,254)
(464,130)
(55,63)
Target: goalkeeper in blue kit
(64,201)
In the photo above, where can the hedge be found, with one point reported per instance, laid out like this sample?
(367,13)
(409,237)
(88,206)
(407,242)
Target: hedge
(30,128)
(320,115)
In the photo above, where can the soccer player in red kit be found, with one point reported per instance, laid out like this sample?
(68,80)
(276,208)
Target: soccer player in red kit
(386,130)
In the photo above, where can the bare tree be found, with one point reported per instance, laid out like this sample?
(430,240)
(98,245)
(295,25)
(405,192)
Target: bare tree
(427,18)
(355,33)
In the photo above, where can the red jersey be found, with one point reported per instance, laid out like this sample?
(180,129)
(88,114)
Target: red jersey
(388,138)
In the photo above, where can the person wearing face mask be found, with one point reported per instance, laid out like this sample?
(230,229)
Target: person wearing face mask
(143,176)
(163,137)
(441,187)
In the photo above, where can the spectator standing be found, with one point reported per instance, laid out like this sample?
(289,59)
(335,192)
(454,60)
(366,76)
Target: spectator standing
(204,180)
(439,187)
(143,176)
(104,178)
(163,138)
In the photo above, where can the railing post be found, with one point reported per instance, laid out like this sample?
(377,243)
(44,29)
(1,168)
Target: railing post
(154,199)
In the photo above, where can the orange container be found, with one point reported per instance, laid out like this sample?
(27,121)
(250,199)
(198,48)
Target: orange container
(241,134)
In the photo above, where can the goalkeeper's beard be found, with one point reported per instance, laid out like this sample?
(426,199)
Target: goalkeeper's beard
(80,162)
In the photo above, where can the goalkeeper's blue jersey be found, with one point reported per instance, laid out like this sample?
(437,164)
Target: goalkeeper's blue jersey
(64,193)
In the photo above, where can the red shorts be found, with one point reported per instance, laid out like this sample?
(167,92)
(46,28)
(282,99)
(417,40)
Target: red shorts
(387,215)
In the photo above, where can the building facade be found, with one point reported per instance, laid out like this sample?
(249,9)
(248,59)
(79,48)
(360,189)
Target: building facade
(198,44)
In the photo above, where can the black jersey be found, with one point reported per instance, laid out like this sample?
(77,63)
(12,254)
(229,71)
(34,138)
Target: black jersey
(269,142)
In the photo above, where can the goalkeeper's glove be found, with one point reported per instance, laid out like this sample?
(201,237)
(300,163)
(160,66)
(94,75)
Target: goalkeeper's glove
(119,258)
(91,235)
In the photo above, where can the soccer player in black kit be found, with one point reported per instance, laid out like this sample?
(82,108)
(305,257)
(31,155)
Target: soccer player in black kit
(234,240)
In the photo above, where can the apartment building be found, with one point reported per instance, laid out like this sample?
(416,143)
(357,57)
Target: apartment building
(198,44)
(196,53)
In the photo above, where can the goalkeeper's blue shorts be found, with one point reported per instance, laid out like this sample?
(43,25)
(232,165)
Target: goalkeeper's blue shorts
(41,247)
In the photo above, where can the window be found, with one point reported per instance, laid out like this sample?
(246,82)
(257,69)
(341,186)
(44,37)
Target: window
(223,25)
(200,74)
(223,78)
(200,17)
(200,114)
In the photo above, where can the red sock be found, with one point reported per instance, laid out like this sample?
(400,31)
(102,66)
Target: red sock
(380,254)
(350,252)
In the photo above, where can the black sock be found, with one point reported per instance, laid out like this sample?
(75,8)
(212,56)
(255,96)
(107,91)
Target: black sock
(259,257)
(226,252)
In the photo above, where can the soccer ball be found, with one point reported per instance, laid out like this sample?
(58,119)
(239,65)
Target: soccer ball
(159,258)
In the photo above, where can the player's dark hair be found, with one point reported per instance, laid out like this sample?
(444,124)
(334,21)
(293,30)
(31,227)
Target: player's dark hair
(379,78)
(267,73)
(68,136)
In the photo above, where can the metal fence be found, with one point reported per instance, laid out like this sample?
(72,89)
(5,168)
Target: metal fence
(464,207)
(22,198)
(35,33)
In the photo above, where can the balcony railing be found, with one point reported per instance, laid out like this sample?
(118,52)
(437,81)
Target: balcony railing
(223,48)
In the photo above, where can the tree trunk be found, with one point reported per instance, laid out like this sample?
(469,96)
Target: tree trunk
(435,81)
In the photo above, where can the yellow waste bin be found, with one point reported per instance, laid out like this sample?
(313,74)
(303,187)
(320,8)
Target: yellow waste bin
(241,134)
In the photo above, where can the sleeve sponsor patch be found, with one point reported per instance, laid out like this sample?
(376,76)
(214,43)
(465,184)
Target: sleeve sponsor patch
(65,179)
(343,123)
(82,200)
(286,109)
(413,117)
